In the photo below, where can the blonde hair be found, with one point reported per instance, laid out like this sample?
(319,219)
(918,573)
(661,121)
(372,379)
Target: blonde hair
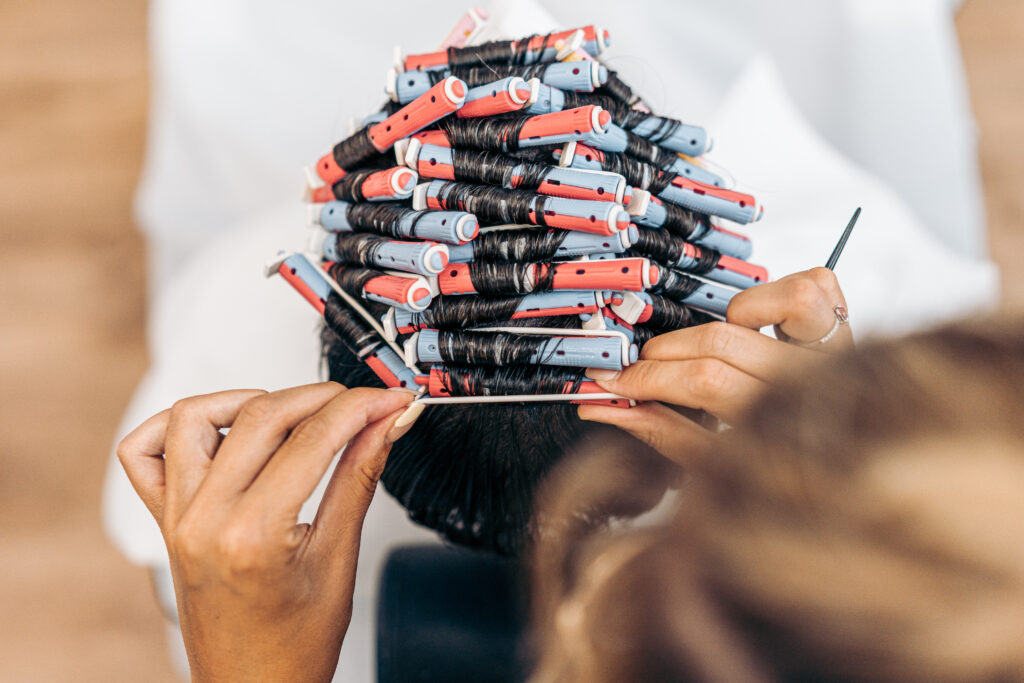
(865,523)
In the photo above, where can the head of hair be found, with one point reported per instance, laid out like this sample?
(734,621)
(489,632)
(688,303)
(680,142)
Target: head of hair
(862,523)
(470,472)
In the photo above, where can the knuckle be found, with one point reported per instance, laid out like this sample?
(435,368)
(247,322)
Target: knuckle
(824,278)
(366,480)
(804,294)
(259,409)
(639,375)
(187,543)
(184,409)
(240,547)
(711,378)
(357,402)
(370,472)
(125,449)
(361,395)
(310,432)
(651,436)
(715,339)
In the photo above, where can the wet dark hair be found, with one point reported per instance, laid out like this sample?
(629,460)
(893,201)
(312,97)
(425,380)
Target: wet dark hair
(471,472)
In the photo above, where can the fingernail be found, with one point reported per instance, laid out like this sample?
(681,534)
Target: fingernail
(601,374)
(405,422)
(408,391)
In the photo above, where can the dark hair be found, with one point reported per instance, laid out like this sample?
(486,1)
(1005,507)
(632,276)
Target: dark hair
(471,472)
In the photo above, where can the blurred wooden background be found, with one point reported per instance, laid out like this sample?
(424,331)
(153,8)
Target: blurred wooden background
(72,117)
(72,122)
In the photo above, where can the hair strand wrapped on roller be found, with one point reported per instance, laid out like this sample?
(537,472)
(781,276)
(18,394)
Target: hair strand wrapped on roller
(556,229)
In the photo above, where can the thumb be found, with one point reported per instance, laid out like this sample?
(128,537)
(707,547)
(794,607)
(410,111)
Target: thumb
(339,519)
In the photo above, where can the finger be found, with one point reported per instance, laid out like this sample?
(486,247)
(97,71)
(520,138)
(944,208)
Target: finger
(339,520)
(796,303)
(657,425)
(843,336)
(827,280)
(800,306)
(740,347)
(262,426)
(704,383)
(193,436)
(142,456)
(299,464)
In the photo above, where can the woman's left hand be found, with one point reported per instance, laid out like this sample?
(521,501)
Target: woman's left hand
(261,597)
(722,367)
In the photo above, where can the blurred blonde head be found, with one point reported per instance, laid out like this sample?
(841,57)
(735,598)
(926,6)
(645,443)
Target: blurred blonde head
(864,524)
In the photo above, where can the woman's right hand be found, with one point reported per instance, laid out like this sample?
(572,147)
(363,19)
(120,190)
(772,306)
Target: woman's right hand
(261,597)
(722,367)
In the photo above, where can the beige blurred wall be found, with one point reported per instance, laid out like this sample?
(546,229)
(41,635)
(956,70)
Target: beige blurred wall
(72,115)
(992,39)
(72,108)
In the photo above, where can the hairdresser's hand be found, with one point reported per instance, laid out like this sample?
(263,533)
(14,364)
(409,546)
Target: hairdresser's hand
(261,597)
(722,367)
